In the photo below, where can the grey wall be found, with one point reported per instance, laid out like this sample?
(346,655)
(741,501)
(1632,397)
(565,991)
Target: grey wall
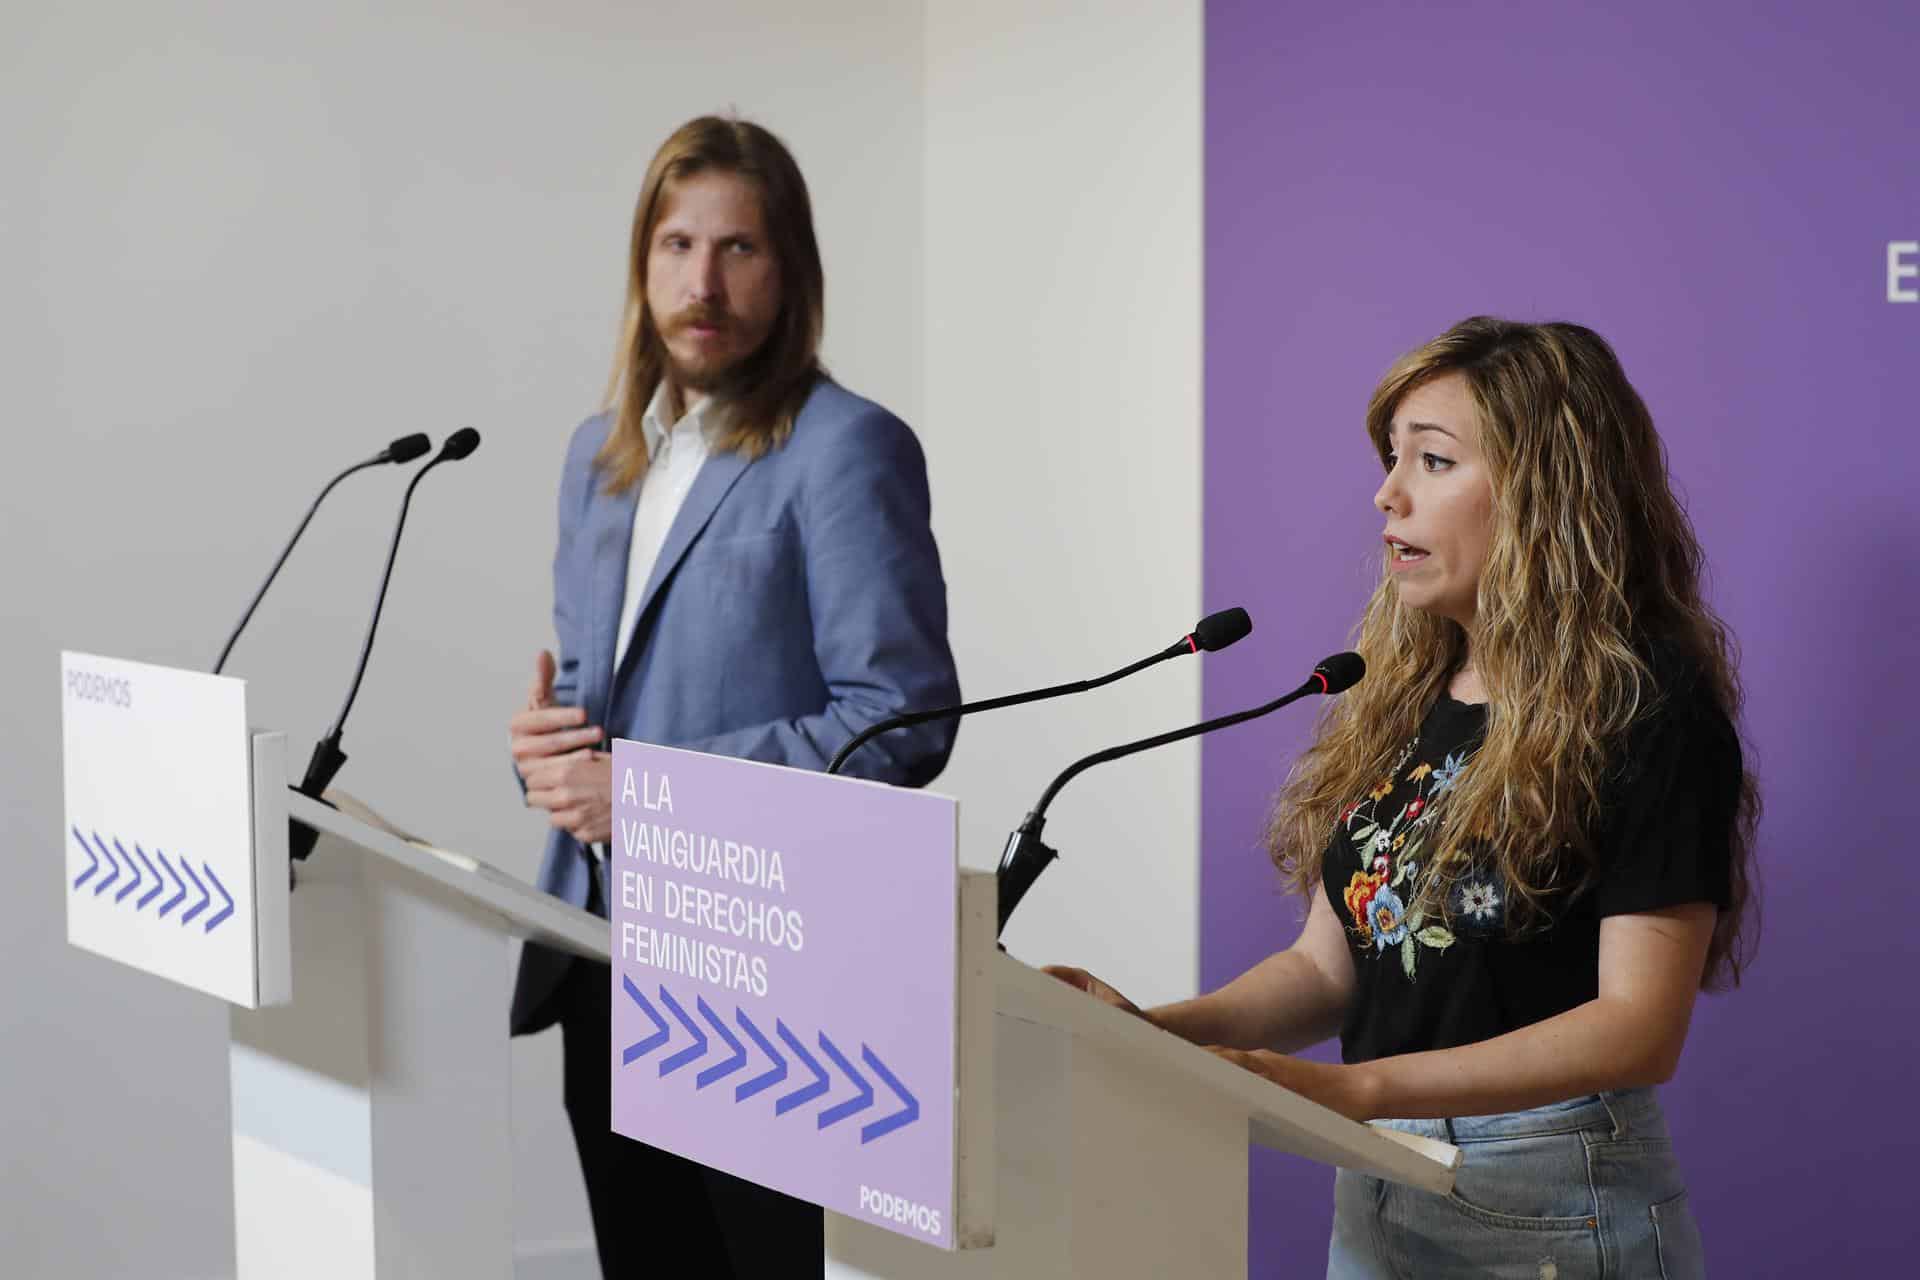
(243,245)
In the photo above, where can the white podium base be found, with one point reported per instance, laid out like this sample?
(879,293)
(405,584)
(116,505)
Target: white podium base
(371,1116)
(1104,1171)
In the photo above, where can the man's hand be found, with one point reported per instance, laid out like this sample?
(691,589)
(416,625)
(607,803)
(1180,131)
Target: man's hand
(576,790)
(553,750)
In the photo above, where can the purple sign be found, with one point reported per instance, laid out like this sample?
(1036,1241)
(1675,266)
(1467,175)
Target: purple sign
(785,979)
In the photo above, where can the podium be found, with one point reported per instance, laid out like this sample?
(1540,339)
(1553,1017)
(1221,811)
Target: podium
(368,1061)
(1122,1151)
(863,1030)
(1024,1129)
(372,1132)
(371,1115)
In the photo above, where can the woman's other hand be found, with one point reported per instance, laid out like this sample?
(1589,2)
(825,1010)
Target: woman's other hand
(1336,1086)
(1094,987)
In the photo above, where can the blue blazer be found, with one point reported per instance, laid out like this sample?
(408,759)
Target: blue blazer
(797,599)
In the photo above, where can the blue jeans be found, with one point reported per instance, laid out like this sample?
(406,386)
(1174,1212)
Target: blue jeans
(1578,1190)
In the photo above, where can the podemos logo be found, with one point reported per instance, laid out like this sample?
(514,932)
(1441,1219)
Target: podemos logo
(90,686)
(899,1209)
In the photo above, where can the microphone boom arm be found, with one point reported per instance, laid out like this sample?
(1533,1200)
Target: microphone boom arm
(1212,633)
(1080,766)
(405,449)
(1026,855)
(327,756)
(285,551)
(913,718)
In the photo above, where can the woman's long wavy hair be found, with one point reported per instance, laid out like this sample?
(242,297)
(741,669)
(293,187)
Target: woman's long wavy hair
(766,392)
(1593,566)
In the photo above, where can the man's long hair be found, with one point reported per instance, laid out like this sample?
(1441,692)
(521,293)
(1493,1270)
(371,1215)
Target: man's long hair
(1593,566)
(764,394)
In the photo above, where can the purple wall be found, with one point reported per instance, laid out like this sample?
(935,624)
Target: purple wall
(1713,188)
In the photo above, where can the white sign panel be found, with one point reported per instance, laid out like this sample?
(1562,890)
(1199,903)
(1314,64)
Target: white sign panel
(159,825)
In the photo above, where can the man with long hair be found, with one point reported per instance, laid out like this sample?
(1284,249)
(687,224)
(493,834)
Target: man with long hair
(1526,840)
(745,567)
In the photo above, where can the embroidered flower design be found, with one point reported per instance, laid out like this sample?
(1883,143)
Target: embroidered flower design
(1359,895)
(1390,854)
(1480,899)
(1386,919)
(1447,774)
(1360,891)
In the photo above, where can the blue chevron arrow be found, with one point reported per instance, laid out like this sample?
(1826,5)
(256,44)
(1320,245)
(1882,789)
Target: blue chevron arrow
(158,883)
(100,884)
(640,1048)
(765,1079)
(93,859)
(173,875)
(186,917)
(905,1116)
(692,1051)
(730,1065)
(132,870)
(859,1102)
(805,1093)
(225,911)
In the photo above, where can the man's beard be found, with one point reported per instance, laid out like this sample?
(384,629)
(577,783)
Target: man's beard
(717,378)
(707,380)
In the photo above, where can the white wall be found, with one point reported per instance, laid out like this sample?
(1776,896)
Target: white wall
(1063,420)
(246,244)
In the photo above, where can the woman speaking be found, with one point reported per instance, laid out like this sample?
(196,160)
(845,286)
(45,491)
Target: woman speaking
(1527,836)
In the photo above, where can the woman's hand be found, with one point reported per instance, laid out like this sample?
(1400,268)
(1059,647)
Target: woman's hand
(1094,987)
(1333,1085)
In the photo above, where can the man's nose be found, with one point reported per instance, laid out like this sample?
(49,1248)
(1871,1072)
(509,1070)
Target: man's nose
(707,282)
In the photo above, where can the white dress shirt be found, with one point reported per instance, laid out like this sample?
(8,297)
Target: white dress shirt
(675,452)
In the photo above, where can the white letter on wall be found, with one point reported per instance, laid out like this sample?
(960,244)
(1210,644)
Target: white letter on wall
(1898,270)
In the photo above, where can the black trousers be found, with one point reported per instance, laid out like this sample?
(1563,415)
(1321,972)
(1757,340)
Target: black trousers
(651,1207)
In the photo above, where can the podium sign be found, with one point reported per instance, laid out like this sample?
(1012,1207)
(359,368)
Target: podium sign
(785,981)
(159,823)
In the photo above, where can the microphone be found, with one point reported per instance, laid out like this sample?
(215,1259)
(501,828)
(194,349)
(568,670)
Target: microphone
(1215,631)
(327,756)
(1025,856)
(405,449)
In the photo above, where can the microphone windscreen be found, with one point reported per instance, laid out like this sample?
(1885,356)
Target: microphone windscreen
(1218,630)
(407,448)
(1341,672)
(460,444)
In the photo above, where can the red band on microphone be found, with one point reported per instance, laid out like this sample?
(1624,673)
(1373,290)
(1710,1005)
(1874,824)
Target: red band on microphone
(1192,645)
(1322,678)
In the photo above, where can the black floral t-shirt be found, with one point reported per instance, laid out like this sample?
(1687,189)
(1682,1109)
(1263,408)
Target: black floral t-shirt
(1431,983)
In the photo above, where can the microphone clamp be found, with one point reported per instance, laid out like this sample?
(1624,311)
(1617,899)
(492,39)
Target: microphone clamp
(1021,863)
(321,767)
